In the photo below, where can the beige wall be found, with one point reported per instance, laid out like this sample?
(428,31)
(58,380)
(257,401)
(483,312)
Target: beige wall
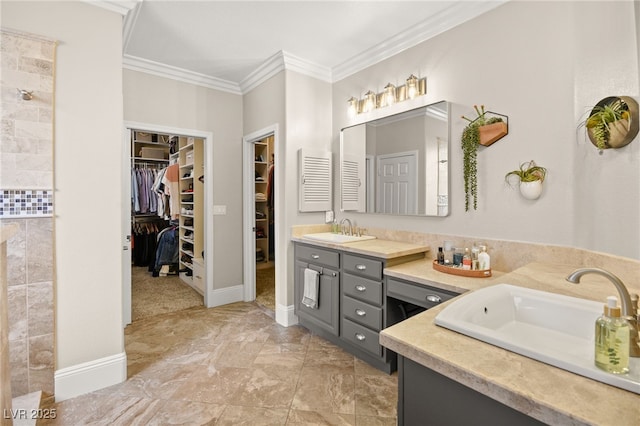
(87,154)
(301,106)
(541,64)
(155,100)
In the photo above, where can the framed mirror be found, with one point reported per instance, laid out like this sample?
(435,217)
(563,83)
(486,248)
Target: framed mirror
(397,165)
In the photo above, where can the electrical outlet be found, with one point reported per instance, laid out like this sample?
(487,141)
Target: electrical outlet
(328,216)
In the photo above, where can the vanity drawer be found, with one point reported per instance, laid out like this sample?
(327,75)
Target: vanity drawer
(362,313)
(418,294)
(318,256)
(361,337)
(363,266)
(362,288)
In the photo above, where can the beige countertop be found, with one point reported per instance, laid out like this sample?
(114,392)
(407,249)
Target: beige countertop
(547,393)
(384,249)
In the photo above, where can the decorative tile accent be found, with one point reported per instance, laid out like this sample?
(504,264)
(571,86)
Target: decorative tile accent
(16,203)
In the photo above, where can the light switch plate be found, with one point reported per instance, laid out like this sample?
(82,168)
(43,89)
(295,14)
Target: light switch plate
(219,210)
(328,216)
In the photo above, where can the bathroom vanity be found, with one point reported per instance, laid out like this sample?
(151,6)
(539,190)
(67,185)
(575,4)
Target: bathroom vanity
(437,366)
(352,304)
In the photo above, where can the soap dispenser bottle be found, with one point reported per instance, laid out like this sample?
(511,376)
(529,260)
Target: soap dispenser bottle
(612,339)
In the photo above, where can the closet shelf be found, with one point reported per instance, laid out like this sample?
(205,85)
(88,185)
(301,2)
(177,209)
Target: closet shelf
(187,215)
(188,147)
(159,160)
(187,166)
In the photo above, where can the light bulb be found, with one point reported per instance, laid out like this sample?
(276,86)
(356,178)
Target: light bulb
(412,86)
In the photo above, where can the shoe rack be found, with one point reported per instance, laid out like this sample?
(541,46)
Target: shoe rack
(263,151)
(191,161)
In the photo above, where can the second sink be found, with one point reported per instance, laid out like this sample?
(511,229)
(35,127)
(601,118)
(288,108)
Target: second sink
(329,237)
(556,329)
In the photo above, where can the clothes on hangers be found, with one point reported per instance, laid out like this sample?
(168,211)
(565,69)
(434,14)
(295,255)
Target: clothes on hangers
(143,199)
(167,251)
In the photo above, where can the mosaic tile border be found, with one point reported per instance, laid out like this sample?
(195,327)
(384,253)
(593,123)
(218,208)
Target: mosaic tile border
(26,203)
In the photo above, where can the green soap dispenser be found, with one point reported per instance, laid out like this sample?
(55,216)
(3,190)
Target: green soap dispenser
(612,339)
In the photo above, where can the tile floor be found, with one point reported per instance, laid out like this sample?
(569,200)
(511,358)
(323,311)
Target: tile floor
(234,365)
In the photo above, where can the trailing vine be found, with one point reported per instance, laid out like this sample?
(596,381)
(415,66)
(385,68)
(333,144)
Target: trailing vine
(470,142)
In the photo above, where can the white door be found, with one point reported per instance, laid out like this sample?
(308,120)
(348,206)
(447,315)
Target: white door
(126,228)
(397,186)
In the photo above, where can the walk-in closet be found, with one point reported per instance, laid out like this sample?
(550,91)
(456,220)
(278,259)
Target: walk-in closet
(167,229)
(264,222)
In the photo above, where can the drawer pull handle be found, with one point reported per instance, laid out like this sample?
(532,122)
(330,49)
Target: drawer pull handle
(315,256)
(360,337)
(361,288)
(360,312)
(434,298)
(361,267)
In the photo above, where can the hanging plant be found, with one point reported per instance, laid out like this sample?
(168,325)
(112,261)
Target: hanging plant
(470,141)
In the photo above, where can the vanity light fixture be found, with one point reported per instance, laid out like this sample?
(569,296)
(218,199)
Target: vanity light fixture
(369,102)
(25,95)
(412,86)
(353,107)
(390,95)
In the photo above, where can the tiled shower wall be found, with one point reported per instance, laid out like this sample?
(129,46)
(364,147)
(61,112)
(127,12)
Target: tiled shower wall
(26,198)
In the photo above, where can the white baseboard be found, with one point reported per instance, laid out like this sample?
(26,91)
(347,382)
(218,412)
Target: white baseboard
(285,315)
(224,296)
(90,376)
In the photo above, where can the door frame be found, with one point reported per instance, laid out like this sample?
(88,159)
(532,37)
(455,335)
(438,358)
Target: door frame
(126,203)
(249,210)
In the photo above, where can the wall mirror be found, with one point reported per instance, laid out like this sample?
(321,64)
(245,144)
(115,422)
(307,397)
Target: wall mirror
(398,164)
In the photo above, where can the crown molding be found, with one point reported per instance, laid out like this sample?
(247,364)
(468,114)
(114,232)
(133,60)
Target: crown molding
(128,24)
(279,62)
(121,7)
(168,71)
(456,14)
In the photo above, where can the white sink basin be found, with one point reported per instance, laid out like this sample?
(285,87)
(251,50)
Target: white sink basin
(552,328)
(329,237)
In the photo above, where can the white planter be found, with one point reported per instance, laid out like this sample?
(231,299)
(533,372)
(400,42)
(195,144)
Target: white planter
(531,190)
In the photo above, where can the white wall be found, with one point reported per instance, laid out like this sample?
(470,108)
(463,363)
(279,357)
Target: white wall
(87,152)
(165,102)
(537,63)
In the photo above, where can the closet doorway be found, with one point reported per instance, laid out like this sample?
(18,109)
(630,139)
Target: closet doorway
(260,248)
(165,221)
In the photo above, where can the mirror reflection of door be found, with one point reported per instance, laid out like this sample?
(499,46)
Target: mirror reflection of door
(397,183)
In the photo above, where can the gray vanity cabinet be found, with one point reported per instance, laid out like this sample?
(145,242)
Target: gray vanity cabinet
(427,397)
(353,286)
(362,303)
(326,318)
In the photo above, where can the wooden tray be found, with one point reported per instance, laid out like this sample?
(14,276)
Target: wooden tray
(461,272)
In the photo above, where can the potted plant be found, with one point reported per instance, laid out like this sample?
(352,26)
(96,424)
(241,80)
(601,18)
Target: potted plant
(612,123)
(479,131)
(530,177)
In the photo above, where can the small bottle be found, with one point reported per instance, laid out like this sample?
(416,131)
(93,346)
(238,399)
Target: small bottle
(440,256)
(334,227)
(612,339)
(466,259)
(484,260)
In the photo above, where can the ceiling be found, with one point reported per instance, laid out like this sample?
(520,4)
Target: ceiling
(227,42)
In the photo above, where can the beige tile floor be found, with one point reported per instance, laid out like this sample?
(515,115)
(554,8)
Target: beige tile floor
(234,365)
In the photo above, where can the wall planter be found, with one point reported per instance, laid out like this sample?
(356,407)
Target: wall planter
(531,190)
(613,122)
(490,133)
(484,130)
(529,179)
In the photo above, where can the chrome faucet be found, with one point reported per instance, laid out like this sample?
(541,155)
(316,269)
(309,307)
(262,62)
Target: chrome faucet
(629,309)
(349,230)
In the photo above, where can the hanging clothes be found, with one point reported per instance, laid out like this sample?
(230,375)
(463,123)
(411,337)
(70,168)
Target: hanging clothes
(167,251)
(143,198)
(171,181)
